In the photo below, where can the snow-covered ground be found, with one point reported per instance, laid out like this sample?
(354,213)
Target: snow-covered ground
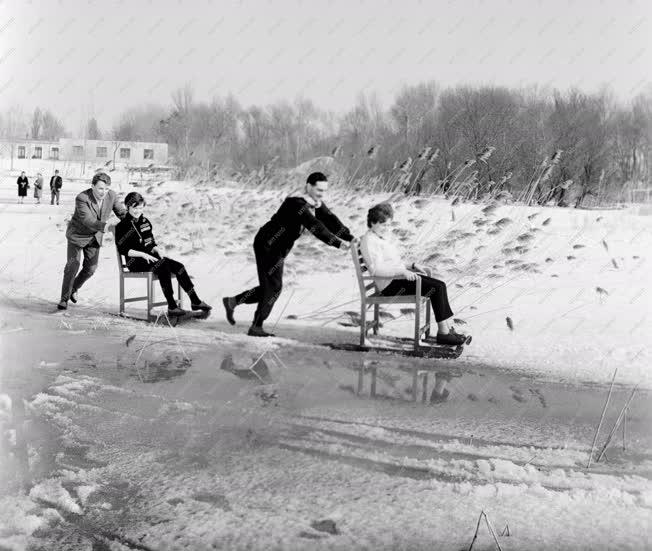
(573,282)
(147,442)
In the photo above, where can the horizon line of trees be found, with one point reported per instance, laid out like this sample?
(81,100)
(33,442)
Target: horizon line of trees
(603,143)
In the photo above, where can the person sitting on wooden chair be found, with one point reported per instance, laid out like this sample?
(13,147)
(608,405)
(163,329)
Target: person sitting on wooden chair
(135,241)
(383,259)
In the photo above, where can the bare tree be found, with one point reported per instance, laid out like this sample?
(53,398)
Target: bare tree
(92,130)
(37,120)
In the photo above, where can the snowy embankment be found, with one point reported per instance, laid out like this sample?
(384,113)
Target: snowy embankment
(557,293)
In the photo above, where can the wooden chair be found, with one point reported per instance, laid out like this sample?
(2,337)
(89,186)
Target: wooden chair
(369,295)
(150,277)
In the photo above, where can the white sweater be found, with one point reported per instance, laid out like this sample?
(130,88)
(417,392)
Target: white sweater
(382,257)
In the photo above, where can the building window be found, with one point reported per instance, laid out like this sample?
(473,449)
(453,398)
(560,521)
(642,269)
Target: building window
(54,153)
(21,151)
(148,154)
(124,152)
(77,150)
(101,152)
(38,153)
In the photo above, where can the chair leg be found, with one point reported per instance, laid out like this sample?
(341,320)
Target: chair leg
(376,318)
(180,301)
(428,307)
(122,295)
(417,325)
(150,295)
(363,323)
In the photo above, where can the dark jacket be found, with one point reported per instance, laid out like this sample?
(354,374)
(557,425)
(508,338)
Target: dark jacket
(287,224)
(89,219)
(134,234)
(56,182)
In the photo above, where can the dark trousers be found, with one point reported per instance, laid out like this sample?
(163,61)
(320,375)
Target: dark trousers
(73,280)
(164,269)
(54,194)
(430,287)
(270,283)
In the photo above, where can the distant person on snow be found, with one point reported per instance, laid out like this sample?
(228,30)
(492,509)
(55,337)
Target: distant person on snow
(383,258)
(23,185)
(38,188)
(56,183)
(85,233)
(275,240)
(135,241)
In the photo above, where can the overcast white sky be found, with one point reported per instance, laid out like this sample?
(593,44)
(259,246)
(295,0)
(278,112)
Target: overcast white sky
(65,54)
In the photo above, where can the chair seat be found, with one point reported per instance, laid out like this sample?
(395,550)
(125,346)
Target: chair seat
(140,275)
(398,299)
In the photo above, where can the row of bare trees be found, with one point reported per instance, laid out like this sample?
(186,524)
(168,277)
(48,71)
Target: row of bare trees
(604,143)
(541,140)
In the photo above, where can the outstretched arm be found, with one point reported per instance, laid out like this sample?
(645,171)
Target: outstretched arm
(333,223)
(319,230)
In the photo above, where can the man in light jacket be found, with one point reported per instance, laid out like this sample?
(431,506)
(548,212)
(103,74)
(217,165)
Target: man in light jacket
(85,233)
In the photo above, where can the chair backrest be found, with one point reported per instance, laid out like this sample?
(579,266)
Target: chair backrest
(360,271)
(121,265)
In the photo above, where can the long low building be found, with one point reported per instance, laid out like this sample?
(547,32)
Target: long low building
(116,152)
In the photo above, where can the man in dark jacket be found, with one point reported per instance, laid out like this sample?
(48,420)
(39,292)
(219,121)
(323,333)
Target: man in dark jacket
(56,183)
(85,233)
(276,238)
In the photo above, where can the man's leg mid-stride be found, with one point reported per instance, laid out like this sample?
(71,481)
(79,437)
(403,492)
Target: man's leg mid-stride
(270,284)
(91,259)
(69,272)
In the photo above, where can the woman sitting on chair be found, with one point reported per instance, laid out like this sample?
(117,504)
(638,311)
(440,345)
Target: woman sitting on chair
(383,259)
(135,241)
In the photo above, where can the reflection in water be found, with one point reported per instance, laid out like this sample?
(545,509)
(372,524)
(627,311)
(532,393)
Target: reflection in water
(440,393)
(420,382)
(258,372)
(169,366)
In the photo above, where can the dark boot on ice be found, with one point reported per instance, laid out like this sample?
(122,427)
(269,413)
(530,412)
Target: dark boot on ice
(255,331)
(229,306)
(201,305)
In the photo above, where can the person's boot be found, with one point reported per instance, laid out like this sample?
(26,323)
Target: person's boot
(229,306)
(451,339)
(176,311)
(63,305)
(73,297)
(467,338)
(255,331)
(201,305)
